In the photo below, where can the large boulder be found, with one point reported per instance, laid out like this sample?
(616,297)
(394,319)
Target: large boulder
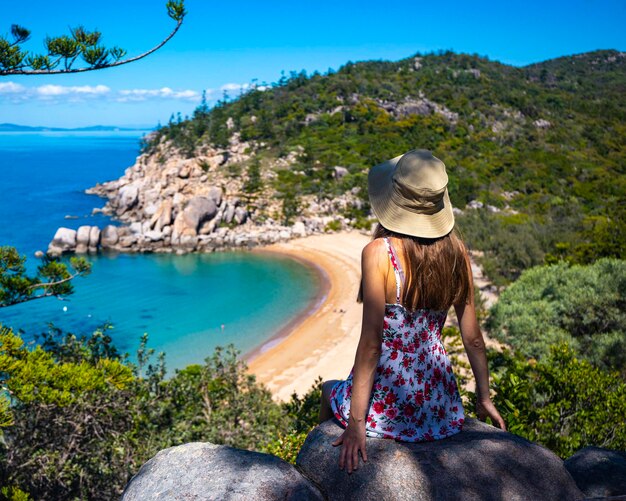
(64,241)
(204,471)
(229,213)
(198,210)
(163,216)
(94,238)
(109,236)
(82,239)
(178,227)
(127,197)
(480,463)
(215,193)
(82,235)
(240,215)
(298,229)
(599,472)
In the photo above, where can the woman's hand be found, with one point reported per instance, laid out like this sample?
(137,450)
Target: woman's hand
(353,440)
(485,409)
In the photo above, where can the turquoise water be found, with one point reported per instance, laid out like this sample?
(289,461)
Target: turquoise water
(186,304)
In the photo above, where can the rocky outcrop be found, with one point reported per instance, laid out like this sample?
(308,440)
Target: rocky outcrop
(203,471)
(167,200)
(599,472)
(542,124)
(85,239)
(480,463)
(168,203)
(420,105)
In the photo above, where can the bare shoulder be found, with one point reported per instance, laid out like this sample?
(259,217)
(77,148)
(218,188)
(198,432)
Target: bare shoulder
(374,250)
(374,254)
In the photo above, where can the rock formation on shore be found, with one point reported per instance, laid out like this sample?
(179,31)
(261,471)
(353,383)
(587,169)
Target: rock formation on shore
(166,202)
(480,463)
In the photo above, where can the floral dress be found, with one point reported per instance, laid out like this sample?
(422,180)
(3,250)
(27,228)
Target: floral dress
(415,396)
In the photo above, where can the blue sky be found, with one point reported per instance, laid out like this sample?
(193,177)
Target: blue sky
(228,44)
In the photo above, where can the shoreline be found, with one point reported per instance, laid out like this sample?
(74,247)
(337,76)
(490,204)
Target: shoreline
(314,305)
(322,341)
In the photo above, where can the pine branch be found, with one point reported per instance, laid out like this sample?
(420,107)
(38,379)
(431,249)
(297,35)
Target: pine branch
(81,43)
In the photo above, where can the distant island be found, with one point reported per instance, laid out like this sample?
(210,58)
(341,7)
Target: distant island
(94,128)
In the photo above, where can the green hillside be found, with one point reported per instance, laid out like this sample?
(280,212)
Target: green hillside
(541,145)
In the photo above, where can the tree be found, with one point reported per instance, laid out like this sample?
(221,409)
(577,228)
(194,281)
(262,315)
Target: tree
(65,50)
(253,183)
(52,279)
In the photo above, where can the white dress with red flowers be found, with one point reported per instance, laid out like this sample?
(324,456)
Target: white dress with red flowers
(415,396)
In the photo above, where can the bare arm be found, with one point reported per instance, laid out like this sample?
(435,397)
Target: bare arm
(476,353)
(373,265)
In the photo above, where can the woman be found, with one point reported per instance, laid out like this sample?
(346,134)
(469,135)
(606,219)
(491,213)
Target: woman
(416,267)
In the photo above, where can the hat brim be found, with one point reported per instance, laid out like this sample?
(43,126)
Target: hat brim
(399,219)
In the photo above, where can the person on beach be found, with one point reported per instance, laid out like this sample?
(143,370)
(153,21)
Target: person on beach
(416,267)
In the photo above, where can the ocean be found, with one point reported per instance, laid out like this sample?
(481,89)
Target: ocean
(188,304)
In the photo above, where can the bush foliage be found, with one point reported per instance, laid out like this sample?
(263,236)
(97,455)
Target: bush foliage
(584,306)
(78,420)
(560,402)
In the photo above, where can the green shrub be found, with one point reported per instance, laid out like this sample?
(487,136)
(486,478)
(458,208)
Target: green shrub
(81,420)
(287,446)
(560,402)
(584,306)
(333,225)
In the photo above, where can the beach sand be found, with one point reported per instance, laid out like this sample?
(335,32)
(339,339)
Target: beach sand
(322,341)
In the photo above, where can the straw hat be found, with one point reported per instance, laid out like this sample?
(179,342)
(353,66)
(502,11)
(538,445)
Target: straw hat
(409,195)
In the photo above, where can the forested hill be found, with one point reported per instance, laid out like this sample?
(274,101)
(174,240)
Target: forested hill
(540,147)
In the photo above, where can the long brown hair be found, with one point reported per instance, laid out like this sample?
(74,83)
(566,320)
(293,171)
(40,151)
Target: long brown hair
(436,270)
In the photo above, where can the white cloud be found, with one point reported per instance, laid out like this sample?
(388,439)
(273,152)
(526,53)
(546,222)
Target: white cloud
(59,94)
(60,90)
(10,88)
(234,86)
(11,92)
(127,95)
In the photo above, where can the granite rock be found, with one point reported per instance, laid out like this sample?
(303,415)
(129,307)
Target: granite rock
(127,197)
(82,235)
(64,241)
(599,472)
(481,463)
(204,471)
(94,237)
(109,236)
(198,210)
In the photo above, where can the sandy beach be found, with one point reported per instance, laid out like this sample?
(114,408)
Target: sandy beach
(323,343)
(323,340)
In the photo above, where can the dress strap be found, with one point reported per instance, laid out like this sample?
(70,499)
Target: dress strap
(397,267)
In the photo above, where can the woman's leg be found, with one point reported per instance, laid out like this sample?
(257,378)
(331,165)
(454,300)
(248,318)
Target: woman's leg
(325,410)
